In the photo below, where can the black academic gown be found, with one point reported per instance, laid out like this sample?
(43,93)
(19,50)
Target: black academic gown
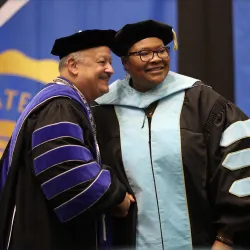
(56,193)
(205,115)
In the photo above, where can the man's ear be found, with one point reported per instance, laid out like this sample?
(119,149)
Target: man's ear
(72,66)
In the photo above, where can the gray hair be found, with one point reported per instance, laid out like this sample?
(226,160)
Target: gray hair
(77,56)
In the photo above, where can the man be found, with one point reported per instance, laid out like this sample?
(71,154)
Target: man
(54,190)
(178,146)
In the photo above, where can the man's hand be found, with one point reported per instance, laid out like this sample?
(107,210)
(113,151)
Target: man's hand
(122,209)
(220,246)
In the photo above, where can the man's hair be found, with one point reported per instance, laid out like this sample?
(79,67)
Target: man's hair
(63,62)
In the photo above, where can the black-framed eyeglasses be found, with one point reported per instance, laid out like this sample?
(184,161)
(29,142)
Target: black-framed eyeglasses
(147,55)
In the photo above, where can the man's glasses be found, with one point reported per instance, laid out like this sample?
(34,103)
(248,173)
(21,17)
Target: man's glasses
(147,55)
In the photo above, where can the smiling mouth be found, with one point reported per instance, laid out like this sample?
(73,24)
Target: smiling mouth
(156,69)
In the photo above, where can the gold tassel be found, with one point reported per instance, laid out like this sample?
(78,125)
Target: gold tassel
(175,40)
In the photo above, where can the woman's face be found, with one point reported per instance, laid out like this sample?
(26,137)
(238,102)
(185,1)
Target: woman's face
(153,69)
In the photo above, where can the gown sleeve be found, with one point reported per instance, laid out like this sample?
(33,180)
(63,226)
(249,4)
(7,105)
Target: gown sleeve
(64,164)
(229,169)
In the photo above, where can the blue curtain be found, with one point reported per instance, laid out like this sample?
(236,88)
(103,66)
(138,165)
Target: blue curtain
(241,38)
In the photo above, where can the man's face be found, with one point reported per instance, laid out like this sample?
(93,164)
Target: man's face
(153,72)
(94,71)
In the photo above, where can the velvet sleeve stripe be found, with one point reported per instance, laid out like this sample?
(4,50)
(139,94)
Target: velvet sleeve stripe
(56,130)
(237,160)
(70,179)
(235,132)
(241,188)
(85,199)
(60,155)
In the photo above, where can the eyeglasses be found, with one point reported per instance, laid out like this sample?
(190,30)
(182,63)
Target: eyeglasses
(147,55)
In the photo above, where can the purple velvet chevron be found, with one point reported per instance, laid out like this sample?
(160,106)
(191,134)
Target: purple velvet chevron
(86,199)
(70,179)
(60,155)
(53,131)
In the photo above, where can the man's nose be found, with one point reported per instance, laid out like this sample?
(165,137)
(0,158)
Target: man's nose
(109,69)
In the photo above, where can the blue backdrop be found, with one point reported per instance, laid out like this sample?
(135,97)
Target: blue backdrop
(27,38)
(241,30)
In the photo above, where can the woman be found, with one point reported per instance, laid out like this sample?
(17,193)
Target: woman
(179,147)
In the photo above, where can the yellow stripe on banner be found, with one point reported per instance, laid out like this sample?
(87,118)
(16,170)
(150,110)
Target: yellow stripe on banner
(6,128)
(14,62)
(3,144)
